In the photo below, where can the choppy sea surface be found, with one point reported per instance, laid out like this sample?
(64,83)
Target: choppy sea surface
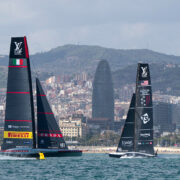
(90,166)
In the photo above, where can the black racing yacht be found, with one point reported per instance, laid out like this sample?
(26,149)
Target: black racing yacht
(49,136)
(137,135)
(19,137)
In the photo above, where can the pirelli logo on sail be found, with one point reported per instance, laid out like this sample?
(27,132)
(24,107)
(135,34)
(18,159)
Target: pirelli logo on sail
(18,134)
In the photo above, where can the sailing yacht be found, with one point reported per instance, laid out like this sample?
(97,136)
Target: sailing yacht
(137,135)
(19,128)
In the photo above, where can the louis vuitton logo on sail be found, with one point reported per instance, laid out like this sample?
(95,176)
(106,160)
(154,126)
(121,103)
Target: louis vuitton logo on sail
(18,49)
(144,72)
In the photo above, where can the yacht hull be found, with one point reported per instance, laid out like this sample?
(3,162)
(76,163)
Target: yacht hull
(34,153)
(131,155)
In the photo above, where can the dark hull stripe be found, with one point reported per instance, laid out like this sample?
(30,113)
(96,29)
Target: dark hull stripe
(41,95)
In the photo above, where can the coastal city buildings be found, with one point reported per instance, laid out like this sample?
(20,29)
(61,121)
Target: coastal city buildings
(72,95)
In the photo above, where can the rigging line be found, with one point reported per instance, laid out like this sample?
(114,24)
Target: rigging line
(35,69)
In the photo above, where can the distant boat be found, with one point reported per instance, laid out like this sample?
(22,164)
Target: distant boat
(137,135)
(19,127)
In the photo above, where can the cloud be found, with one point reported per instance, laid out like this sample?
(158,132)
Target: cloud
(116,23)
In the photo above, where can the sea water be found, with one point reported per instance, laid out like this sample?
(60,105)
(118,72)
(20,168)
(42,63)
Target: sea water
(90,166)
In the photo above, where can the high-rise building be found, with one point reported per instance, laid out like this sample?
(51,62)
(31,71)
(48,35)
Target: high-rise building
(163,117)
(103,94)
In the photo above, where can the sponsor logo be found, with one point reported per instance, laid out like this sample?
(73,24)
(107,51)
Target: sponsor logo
(9,142)
(145,91)
(145,135)
(18,134)
(144,72)
(144,143)
(27,142)
(53,142)
(18,49)
(127,143)
(49,135)
(145,100)
(16,127)
(145,118)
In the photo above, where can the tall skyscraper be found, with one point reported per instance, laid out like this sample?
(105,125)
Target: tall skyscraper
(163,117)
(103,94)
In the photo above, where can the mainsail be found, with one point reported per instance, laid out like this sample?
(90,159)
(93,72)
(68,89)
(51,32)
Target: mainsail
(19,127)
(49,134)
(126,142)
(143,111)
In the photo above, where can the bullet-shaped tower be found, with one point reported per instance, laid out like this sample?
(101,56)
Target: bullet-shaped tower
(103,94)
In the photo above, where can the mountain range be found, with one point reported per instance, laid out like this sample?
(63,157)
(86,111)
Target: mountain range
(71,59)
(77,58)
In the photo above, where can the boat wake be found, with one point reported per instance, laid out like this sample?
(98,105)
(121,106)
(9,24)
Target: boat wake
(131,157)
(2,157)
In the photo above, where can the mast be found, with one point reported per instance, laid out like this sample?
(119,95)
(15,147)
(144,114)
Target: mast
(143,111)
(19,126)
(49,134)
(126,142)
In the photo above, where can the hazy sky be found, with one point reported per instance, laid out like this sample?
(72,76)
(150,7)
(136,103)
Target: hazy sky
(120,24)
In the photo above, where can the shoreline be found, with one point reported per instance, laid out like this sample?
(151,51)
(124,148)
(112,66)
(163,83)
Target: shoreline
(107,150)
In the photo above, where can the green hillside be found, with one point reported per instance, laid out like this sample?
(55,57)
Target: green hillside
(164,78)
(70,59)
(78,58)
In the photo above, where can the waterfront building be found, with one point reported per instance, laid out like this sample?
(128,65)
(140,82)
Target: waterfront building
(73,126)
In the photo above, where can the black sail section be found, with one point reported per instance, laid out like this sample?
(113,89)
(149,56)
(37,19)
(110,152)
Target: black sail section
(126,142)
(143,111)
(19,115)
(49,134)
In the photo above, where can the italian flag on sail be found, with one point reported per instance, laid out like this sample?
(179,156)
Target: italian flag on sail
(17,62)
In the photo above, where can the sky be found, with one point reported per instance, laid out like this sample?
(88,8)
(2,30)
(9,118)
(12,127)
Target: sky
(119,24)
